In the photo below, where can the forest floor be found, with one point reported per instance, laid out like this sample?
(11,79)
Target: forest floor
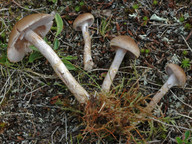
(37,107)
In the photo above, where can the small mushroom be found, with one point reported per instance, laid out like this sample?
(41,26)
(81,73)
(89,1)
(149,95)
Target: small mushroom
(121,44)
(177,77)
(29,30)
(81,23)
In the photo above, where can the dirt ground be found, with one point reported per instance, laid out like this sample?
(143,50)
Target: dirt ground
(37,108)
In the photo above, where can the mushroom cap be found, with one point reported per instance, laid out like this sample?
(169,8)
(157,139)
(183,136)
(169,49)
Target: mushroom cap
(82,19)
(18,46)
(127,43)
(178,72)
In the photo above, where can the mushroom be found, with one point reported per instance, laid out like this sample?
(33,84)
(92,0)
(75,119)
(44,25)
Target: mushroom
(177,77)
(29,30)
(81,23)
(122,44)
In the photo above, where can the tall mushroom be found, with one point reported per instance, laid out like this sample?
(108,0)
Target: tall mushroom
(81,23)
(29,30)
(121,44)
(177,77)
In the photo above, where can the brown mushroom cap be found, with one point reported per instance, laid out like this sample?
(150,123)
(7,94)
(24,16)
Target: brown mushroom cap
(178,72)
(127,43)
(82,19)
(19,46)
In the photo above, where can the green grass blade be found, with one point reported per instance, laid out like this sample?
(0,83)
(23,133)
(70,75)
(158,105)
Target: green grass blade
(59,23)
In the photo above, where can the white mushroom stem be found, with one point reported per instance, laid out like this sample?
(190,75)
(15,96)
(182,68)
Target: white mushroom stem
(120,53)
(88,61)
(78,91)
(172,81)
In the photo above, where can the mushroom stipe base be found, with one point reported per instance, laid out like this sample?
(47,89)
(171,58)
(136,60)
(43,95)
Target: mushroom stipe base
(78,91)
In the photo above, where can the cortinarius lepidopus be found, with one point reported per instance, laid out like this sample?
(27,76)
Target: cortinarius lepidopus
(82,23)
(177,77)
(29,30)
(122,45)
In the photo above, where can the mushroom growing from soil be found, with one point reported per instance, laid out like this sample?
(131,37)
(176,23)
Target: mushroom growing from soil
(121,44)
(81,23)
(29,30)
(177,77)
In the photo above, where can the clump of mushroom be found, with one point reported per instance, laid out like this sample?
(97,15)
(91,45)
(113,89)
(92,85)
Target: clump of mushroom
(121,44)
(177,77)
(81,23)
(29,30)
